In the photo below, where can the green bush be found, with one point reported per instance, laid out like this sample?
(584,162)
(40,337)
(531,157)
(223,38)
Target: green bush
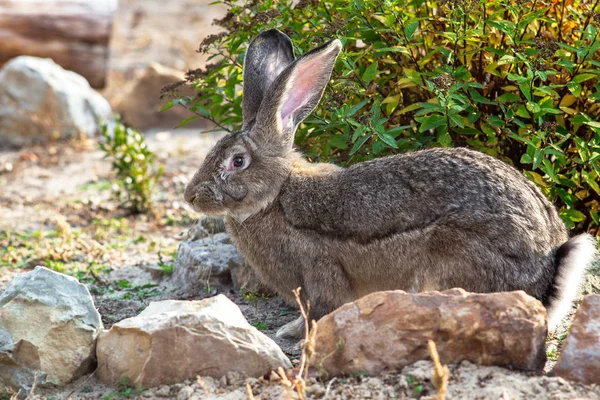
(515,79)
(133,164)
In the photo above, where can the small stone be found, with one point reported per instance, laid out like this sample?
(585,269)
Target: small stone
(48,326)
(175,340)
(580,357)
(64,104)
(185,393)
(163,391)
(389,330)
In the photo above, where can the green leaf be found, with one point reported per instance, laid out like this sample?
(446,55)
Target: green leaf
(387,139)
(412,107)
(410,28)
(358,133)
(509,97)
(572,215)
(584,77)
(356,107)
(359,143)
(187,121)
(567,197)
(591,178)
(582,148)
(167,106)
(431,122)
(369,73)
(535,177)
(339,141)
(533,107)
(575,88)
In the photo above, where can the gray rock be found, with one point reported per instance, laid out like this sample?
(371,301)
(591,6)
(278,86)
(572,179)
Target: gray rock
(171,341)
(40,100)
(48,326)
(205,262)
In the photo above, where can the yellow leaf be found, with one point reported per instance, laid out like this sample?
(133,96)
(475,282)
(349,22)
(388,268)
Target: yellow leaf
(567,100)
(569,111)
(391,99)
(405,83)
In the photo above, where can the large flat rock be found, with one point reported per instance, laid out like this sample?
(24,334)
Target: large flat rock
(389,330)
(171,341)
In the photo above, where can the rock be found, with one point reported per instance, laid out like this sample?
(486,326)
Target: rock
(171,341)
(580,357)
(389,330)
(140,104)
(205,262)
(212,260)
(40,100)
(49,326)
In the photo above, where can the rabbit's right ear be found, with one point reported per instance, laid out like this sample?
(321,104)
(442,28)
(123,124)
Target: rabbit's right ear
(267,56)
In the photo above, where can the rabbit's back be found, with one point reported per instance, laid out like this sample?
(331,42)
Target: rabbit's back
(415,190)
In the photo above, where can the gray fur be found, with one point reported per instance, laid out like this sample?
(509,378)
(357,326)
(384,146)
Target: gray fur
(428,220)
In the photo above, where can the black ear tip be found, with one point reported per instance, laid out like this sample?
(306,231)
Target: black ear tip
(275,35)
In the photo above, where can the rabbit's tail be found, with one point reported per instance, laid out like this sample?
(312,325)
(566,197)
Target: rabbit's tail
(572,259)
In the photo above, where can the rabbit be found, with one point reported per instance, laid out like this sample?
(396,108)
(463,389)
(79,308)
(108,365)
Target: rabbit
(432,219)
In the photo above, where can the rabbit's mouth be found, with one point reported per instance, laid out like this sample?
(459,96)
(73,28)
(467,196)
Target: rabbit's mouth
(205,199)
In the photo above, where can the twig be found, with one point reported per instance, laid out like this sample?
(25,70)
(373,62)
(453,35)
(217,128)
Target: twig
(249,391)
(329,388)
(441,373)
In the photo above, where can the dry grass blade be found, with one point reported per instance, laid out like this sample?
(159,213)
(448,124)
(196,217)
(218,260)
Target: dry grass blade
(441,373)
(203,386)
(249,391)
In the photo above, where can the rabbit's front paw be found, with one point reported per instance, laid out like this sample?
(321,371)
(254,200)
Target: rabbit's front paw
(292,330)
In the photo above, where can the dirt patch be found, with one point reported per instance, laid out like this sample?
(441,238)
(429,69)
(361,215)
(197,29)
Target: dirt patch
(467,381)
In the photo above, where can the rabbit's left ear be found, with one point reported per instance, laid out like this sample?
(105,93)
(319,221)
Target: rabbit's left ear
(267,56)
(295,94)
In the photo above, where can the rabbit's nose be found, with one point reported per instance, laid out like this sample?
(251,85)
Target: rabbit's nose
(190,193)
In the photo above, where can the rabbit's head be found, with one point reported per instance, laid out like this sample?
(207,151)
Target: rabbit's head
(245,170)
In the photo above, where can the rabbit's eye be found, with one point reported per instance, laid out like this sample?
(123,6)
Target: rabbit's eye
(238,161)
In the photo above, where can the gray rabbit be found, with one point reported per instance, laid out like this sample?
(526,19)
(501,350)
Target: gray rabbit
(429,220)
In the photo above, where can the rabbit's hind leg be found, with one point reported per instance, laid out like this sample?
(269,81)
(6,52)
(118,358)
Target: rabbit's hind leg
(326,287)
(293,330)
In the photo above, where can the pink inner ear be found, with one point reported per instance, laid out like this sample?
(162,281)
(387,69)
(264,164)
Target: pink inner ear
(304,80)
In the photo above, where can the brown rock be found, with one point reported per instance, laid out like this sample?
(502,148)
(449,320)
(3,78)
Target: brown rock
(140,103)
(580,357)
(171,341)
(389,330)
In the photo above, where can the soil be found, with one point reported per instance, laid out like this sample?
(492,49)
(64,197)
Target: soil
(57,210)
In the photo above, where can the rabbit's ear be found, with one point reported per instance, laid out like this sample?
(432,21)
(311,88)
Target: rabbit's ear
(267,56)
(295,94)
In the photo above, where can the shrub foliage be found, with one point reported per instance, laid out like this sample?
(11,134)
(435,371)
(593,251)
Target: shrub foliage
(134,166)
(517,79)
